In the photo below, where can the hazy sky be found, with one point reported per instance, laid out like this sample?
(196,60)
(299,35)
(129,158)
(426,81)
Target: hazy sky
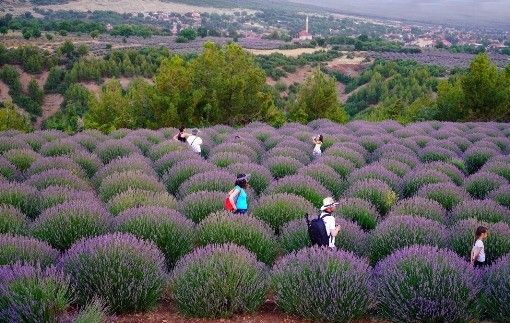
(485,12)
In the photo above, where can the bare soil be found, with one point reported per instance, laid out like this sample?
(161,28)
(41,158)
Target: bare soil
(4,92)
(50,106)
(25,78)
(287,52)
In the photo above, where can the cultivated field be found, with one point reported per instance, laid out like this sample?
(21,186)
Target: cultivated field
(137,219)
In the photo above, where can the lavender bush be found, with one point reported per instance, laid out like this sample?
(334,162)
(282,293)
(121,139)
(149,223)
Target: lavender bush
(302,156)
(424,283)
(168,229)
(450,169)
(165,147)
(249,232)
(483,210)
(121,182)
(260,176)
(14,248)
(374,191)
(434,153)
(398,168)
(326,176)
(89,163)
(8,170)
(169,160)
(224,159)
(397,232)
(180,172)
(139,197)
(499,168)
(133,162)
(60,147)
(462,239)
(21,196)
(496,291)
(136,266)
(197,206)
(502,195)
(476,156)
(323,285)
(219,281)
(8,143)
(55,195)
(64,224)
(357,158)
(33,294)
(58,177)
(281,166)
(479,185)
(61,162)
(420,207)
(377,172)
(236,147)
(278,209)
(111,149)
(414,180)
(21,158)
(448,195)
(304,186)
(219,181)
(359,211)
(12,220)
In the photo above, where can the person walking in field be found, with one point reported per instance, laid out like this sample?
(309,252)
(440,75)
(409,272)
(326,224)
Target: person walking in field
(195,141)
(237,200)
(317,150)
(323,230)
(478,251)
(182,135)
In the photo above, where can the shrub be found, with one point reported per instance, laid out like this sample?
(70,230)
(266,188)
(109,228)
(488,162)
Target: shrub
(278,209)
(47,163)
(291,152)
(33,294)
(219,281)
(8,143)
(168,229)
(197,206)
(462,239)
(448,195)
(414,180)
(111,149)
(64,224)
(498,168)
(21,158)
(220,181)
(304,186)
(249,232)
(165,147)
(323,285)
(342,166)
(137,267)
(169,160)
(326,176)
(496,294)
(57,177)
(180,172)
(434,153)
(294,236)
(14,248)
(410,286)
(138,197)
(395,149)
(12,220)
(89,163)
(479,185)
(449,169)
(88,140)
(371,143)
(94,312)
(398,168)
(260,176)
(60,147)
(359,211)
(54,195)
(121,182)
(282,166)
(420,207)
(407,158)
(401,231)
(132,163)
(376,172)
(374,191)
(483,210)
(476,156)
(8,170)
(224,159)
(502,195)
(21,196)
(351,155)
(236,147)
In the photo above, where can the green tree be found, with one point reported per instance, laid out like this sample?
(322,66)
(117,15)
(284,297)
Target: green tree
(317,98)
(188,33)
(10,118)
(35,93)
(450,100)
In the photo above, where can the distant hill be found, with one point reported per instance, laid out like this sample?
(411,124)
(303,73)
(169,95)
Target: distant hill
(488,13)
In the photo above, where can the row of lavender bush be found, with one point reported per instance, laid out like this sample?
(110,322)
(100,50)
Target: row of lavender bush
(426,183)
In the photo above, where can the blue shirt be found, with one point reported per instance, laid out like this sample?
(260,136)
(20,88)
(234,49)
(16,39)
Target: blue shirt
(242,199)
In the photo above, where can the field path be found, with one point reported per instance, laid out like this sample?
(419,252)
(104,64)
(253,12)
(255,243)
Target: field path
(50,106)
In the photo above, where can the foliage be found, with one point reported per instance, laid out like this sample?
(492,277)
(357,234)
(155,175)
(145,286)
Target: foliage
(15,248)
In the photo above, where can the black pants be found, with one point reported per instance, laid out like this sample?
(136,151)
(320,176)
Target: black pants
(479,264)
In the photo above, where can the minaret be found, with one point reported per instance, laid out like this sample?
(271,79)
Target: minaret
(306,29)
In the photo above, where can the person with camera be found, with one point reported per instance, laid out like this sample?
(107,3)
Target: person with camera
(317,150)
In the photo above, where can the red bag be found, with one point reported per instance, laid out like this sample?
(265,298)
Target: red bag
(228,204)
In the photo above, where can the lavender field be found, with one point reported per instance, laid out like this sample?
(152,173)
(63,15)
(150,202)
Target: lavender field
(119,221)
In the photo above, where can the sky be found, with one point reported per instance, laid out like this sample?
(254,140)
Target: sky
(487,13)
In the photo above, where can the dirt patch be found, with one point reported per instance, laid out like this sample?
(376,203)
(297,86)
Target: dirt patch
(50,106)
(349,66)
(25,78)
(4,92)
(297,77)
(287,52)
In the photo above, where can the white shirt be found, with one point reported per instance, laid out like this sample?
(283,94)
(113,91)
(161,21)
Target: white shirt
(329,221)
(481,255)
(195,142)
(317,149)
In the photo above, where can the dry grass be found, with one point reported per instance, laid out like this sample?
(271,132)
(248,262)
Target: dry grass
(287,52)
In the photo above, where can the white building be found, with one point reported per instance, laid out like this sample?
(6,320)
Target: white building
(304,34)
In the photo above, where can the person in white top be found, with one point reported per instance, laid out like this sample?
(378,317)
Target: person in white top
(317,152)
(478,251)
(195,141)
(328,207)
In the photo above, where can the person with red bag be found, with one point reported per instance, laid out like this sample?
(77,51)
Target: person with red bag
(237,199)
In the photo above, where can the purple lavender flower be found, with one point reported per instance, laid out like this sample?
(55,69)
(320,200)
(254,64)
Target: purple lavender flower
(196,206)
(21,196)
(57,177)
(304,186)
(215,180)
(170,159)
(14,248)
(420,207)
(376,172)
(60,162)
(480,184)
(180,172)
(111,149)
(483,210)
(497,291)
(133,162)
(501,195)
(282,166)
(374,191)
(448,195)
(120,182)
